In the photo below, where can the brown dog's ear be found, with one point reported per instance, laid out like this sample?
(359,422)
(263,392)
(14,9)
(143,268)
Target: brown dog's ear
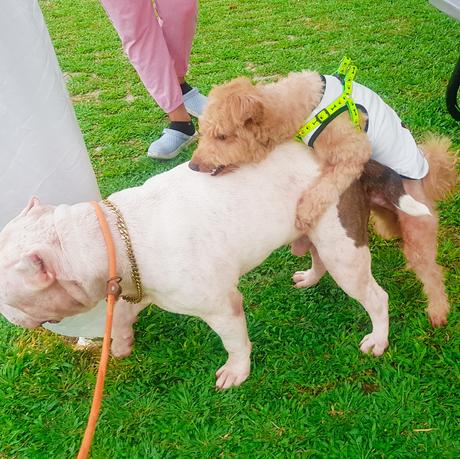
(244,102)
(255,113)
(37,274)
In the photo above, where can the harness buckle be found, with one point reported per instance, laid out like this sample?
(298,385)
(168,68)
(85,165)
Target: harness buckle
(323,115)
(346,74)
(344,65)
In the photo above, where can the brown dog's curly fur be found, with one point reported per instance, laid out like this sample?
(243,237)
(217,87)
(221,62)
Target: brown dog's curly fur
(437,185)
(419,234)
(242,123)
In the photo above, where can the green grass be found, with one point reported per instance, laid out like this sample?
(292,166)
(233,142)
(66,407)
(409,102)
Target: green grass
(311,392)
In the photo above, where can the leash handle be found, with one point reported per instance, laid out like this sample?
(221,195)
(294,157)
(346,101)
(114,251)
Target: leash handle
(112,296)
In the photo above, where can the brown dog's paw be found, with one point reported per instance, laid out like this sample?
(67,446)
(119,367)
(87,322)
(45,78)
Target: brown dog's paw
(306,214)
(302,222)
(302,225)
(437,320)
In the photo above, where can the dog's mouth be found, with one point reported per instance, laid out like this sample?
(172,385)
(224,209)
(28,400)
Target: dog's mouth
(217,170)
(221,170)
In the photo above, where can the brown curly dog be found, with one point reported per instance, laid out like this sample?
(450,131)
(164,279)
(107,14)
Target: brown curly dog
(243,122)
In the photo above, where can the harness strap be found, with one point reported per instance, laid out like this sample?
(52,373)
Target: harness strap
(346,74)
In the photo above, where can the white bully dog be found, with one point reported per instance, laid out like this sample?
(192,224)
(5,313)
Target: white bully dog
(193,236)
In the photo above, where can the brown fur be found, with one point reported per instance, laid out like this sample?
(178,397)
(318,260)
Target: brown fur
(353,209)
(442,178)
(419,234)
(385,222)
(343,151)
(442,171)
(242,123)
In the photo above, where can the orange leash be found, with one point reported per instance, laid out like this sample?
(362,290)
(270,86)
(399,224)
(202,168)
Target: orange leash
(113,291)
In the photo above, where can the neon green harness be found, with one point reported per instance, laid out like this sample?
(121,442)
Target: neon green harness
(346,74)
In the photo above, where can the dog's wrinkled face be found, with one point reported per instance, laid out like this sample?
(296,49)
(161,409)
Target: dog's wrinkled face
(32,286)
(232,130)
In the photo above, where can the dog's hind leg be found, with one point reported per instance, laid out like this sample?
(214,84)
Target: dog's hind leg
(304,279)
(420,248)
(350,266)
(229,323)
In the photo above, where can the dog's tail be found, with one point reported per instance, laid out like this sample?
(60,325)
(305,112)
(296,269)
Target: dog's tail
(442,176)
(384,185)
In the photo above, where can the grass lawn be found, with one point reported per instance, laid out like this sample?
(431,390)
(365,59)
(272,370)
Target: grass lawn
(311,392)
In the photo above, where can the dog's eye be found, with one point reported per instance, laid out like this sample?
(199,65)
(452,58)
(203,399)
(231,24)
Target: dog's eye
(221,136)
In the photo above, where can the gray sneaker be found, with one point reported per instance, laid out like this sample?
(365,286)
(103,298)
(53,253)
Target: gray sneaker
(170,144)
(195,102)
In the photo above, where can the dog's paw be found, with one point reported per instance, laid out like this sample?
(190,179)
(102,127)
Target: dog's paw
(232,374)
(438,318)
(303,219)
(302,225)
(305,279)
(374,344)
(122,347)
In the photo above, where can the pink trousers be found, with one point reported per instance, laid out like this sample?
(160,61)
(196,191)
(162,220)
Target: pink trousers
(158,48)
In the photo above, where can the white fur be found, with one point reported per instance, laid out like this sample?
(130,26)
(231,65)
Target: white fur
(412,207)
(194,235)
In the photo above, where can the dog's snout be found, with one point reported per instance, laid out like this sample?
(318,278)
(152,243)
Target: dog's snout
(194,166)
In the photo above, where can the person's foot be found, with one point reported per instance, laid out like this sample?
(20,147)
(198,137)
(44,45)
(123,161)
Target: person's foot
(195,102)
(170,144)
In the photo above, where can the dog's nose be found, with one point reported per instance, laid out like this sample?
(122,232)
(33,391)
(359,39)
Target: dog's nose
(194,166)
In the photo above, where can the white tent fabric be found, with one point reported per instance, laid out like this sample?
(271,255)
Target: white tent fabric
(42,152)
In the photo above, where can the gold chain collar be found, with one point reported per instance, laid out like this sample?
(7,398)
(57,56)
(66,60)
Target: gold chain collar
(135,276)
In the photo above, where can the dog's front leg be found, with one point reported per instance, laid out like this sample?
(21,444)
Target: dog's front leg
(343,151)
(230,325)
(125,315)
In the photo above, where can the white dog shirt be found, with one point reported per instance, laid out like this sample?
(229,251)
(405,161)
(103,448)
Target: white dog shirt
(392,143)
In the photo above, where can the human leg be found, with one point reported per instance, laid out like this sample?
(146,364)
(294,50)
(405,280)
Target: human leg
(179,19)
(145,45)
(179,23)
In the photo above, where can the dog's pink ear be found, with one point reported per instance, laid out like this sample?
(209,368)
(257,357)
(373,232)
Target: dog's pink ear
(37,273)
(33,202)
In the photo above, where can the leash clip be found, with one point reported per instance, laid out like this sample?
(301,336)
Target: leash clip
(113,287)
